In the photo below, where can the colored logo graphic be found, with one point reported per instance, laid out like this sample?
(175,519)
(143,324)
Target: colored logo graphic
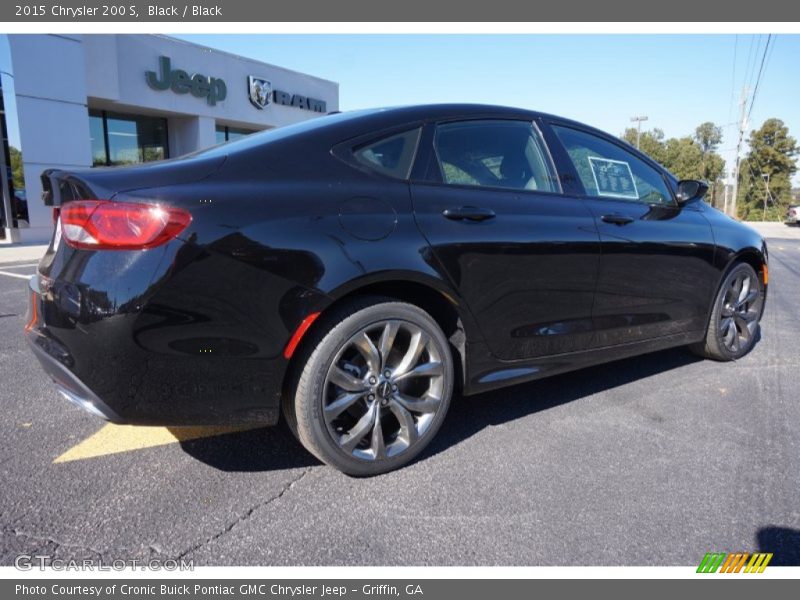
(734,562)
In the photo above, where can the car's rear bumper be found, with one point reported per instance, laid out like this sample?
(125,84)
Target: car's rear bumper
(108,366)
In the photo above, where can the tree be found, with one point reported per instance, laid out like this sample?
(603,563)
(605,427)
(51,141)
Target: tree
(15,158)
(651,142)
(692,157)
(708,136)
(766,172)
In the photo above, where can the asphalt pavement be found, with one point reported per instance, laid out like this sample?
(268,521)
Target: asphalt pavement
(654,460)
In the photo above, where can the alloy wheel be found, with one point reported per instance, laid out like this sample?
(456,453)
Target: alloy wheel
(741,307)
(383,390)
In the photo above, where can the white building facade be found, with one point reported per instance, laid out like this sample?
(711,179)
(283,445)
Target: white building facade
(104,100)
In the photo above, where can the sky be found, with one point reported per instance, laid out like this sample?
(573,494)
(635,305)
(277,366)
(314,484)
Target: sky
(677,81)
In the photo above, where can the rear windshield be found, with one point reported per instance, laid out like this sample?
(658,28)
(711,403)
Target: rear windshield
(255,140)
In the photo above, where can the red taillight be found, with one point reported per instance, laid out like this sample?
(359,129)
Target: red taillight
(105,225)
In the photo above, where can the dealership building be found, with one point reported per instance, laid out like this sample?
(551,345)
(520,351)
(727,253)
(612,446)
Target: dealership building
(73,101)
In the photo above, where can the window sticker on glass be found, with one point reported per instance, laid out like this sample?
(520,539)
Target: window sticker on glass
(613,178)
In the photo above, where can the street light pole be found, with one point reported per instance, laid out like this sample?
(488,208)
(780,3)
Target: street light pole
(638,121)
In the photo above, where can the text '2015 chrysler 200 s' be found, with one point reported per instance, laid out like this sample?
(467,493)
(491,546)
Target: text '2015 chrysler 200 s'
(352,271)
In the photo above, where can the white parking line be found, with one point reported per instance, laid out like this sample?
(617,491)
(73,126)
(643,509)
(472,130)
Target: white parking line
(17,275)
(20,266)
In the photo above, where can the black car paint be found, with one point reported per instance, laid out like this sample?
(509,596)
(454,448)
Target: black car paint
(193,332)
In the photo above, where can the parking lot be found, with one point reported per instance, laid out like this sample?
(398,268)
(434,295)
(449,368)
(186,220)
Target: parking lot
(652,460)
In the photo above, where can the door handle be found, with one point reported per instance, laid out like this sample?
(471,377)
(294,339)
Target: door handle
(468,213)
(616,219)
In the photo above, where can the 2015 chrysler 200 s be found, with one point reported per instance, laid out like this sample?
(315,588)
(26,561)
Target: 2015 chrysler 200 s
(354,270)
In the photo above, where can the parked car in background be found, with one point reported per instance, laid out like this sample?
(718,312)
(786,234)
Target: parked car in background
(353,271)
(792,214)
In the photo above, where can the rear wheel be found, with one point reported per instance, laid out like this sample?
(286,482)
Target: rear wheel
(734,323)
(375,387)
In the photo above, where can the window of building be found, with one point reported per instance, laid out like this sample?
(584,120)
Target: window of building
(119,139)
(608,170)
(228,134)
(496,153)
(391,155)
(13,195)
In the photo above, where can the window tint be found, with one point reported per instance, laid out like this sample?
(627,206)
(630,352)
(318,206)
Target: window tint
(608,170)
(509,154)
(391,155)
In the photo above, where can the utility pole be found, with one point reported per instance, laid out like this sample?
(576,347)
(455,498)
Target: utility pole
(725,203)
(768,196)
(638,121)
(742,129)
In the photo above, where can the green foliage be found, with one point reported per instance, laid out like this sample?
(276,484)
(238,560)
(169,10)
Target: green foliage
(693,157)
(15,157)
(708,136)
(651,142)
(766,173)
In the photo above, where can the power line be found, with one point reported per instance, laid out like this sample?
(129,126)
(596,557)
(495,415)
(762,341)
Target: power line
(758,79)
(733,76)
(749,64)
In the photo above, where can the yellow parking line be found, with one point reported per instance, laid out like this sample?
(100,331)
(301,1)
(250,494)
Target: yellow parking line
(113,439)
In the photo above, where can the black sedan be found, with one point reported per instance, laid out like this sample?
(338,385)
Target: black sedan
(355,271)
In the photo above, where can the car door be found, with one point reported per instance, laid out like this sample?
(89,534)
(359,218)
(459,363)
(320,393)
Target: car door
(656,272)
(522,256)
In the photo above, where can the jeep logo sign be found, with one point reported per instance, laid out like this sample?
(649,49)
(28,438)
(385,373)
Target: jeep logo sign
(211,88)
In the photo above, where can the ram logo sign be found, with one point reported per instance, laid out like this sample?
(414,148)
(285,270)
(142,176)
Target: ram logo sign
(735,562)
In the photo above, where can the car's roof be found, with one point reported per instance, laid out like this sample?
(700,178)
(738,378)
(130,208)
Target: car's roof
(446,110)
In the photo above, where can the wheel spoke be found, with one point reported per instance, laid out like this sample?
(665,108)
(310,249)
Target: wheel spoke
(341,404)
(351,439)
(727,311)
(430,369)
(415,348)
(408,427)
(387,341)
(428,404)
(749,316)
(748,299)
(728,330)
(345,380)
(741,326)
(377,444)
(736,288)
(744,290)
(369,352)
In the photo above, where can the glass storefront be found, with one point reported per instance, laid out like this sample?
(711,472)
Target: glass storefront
(13,196)
(227,134)
(119,139)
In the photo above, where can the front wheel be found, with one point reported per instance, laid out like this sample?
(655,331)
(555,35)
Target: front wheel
(734,323)
(375,389)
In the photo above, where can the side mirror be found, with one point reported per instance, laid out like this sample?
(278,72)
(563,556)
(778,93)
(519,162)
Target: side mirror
(690,189)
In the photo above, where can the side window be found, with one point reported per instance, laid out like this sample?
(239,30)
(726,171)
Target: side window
(494,153)
(392,155)
(608,170)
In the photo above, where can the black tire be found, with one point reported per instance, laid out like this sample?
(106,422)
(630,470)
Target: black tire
(339,339)
(731,337)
